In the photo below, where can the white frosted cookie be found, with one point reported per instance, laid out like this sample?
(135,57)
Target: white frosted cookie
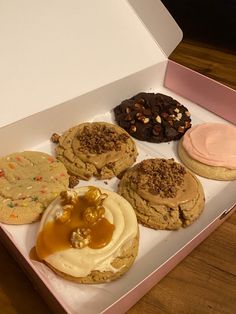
(29,181)
(88,235)
(99,149)
(163,193)
(209,150)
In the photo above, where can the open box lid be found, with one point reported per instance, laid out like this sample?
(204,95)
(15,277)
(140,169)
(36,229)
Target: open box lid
(53,51)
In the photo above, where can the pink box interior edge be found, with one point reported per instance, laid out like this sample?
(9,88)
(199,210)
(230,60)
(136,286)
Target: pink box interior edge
(208,94)
(202,90)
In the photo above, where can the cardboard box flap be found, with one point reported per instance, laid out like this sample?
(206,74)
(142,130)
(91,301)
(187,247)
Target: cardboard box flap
(54,51)
(159,23)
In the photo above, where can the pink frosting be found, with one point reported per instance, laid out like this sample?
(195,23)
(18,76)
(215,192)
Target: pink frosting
(213,144)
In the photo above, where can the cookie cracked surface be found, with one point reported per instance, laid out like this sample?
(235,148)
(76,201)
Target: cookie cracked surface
(97,149)
(163,193)
(153,117)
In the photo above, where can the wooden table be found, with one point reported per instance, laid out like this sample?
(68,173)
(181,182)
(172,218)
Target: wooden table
(205,282)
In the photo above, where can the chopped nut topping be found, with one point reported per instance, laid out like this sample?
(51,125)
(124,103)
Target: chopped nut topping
(98,139)
(187,113)
(133,128)
(187,124)
(176,110)
(160,176)
(138,106)
(127,110)
(55,138)
(158,119)
(179,116)
(181,129)
(145,120)
(80,238)
(141,101)
(139,116)
(128,117)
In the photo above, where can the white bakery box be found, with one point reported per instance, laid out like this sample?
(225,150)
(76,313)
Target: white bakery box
(66,62)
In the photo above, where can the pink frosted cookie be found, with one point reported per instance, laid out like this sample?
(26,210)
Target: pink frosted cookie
(209,149)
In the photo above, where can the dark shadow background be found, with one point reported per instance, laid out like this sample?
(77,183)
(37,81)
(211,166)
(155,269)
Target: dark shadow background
(209,21)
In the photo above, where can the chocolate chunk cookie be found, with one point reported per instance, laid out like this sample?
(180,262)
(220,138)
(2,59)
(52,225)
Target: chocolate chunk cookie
(163,193)
(98,149)
(153,117)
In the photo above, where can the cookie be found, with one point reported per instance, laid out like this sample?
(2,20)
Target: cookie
(98,149)
(88,235)
(153,117)
(163,193)
(29,181)
(209,150)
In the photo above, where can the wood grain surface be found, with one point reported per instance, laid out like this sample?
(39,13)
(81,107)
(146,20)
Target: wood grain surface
(204,282)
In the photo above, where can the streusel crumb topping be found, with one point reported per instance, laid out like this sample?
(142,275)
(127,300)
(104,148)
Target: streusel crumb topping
(98,139)
(160,176)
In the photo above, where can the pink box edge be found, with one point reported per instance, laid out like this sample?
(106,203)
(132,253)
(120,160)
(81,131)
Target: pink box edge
(204,91)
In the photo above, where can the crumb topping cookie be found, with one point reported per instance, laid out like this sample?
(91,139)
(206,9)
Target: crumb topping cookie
(29,181)
(97,149)
(99,138)
(88,235)
(159,177)
(163,193)
(153,117)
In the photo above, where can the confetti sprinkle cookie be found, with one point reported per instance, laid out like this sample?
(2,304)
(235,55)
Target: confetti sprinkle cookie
(29,182)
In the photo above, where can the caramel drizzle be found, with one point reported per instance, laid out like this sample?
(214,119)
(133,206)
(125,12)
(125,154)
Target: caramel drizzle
(79,213)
